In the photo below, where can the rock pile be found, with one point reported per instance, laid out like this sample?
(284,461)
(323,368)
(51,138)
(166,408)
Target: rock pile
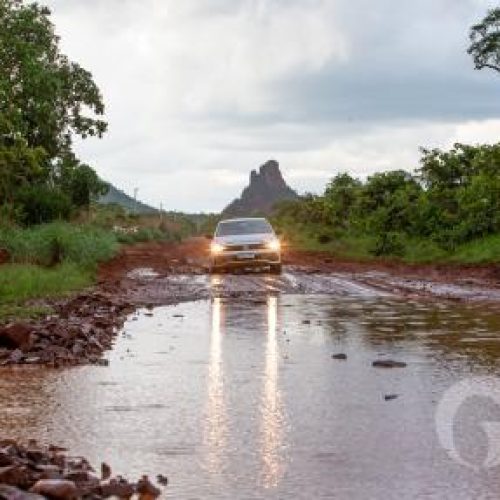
(79,332)
(33,472)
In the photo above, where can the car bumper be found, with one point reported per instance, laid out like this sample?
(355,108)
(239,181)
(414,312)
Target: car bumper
(253,258)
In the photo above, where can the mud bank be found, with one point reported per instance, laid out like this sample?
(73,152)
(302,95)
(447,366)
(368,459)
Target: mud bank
(78,332)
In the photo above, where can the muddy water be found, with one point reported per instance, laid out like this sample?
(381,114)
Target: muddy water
(241,399)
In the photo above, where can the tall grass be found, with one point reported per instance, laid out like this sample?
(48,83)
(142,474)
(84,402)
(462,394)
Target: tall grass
(49,260)
(479,251)
(54,259)
(59,242)
(21,282)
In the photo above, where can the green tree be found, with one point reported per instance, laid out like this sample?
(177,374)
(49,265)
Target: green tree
(387,209)
(461,192)
(45,101)
(388,201)
(79,181)
(47,97)
(341,196)
(19,164)
(485,41)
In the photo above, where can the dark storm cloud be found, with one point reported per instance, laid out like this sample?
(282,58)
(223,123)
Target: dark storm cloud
(367,96)
(405,60)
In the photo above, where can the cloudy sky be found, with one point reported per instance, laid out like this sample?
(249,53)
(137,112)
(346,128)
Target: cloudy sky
(199,92)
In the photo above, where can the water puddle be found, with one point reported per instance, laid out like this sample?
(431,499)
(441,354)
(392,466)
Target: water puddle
(236,398)
(144,273)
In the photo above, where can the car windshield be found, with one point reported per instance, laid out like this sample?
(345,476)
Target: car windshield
(240,227)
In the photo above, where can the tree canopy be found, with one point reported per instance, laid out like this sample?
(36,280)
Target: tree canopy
(453,198)
(485,41)
(45,101)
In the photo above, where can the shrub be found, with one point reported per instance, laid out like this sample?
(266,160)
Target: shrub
(389,243)
(40,204)
(324,238)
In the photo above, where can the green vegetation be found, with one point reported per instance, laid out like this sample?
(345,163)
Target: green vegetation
(45,100)
(449,210)
(19,283)
(479,251)
(56,258)
(59,242)
(49,260)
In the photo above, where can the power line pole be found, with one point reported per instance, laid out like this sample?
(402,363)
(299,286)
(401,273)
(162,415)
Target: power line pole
(136,190)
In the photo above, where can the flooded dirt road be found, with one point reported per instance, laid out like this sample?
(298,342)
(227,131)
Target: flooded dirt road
(236,395)
(146,285)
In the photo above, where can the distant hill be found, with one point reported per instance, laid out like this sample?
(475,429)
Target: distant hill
(118,197)
(266,188)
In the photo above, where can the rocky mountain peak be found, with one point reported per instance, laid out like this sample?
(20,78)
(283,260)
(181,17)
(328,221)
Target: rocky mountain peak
(269,175)
(267,187)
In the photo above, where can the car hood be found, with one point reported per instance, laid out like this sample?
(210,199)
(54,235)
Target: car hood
(244,239)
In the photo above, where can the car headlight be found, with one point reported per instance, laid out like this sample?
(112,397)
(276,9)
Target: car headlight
(274,245)
(216,248)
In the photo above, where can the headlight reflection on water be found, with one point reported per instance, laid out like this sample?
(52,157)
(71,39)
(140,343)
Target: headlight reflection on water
(272,415)
(271,420)
(215,432)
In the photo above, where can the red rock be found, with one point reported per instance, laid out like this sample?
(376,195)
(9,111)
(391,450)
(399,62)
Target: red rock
(388,363)
(57,489)
(34,454)
(49,471)
(163,480)
(105,471)
(16,335)
(146,489)
(12,493)
(120,489)
(79,476)
(16,356)
(14,475)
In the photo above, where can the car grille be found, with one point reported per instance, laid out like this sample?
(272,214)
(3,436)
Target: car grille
(243,248)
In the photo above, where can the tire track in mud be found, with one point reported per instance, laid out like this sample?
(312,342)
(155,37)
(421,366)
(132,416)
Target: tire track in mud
(149,287)
(177,272)
(193,287)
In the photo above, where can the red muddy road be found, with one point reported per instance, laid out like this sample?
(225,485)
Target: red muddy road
(154,274)
(303,272)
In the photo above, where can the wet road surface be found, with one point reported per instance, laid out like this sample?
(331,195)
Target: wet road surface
(160,289)
(237,396)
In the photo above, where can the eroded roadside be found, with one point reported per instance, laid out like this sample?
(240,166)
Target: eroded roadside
(153,274)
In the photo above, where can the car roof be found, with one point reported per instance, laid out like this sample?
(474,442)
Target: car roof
(242,219)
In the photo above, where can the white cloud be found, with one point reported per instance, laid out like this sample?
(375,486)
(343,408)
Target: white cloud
(199,92)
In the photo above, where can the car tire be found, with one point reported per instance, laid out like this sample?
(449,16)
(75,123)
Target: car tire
(275,268)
